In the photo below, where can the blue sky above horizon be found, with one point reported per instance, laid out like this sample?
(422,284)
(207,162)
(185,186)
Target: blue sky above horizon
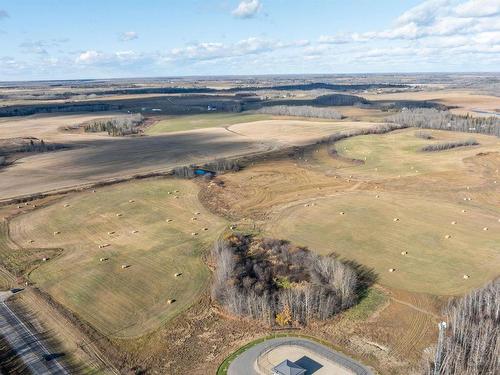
(70,39)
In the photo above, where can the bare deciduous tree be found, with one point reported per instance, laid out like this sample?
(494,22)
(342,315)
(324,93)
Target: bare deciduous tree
(261,278)
(471,345)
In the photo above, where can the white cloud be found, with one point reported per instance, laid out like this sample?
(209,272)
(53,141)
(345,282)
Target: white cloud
(478,8)
(89,57)
(215,50)
(128,35)
(247,9)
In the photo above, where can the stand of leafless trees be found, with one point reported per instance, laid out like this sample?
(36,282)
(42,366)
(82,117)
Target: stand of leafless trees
(301,111)
(449,145)
(261,278)
(444,120)
(379,129)
(470,344)
(116,126)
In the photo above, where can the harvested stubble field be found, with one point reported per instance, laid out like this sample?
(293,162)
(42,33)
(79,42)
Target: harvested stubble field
(303,200)
(97,158)
(192,122)
(123,302)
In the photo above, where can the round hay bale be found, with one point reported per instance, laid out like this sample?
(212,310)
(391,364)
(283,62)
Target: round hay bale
(453,222)
(93,191)
(194,234)
(125,266)
(464,211)
(66,205)
(178,274)
(395,219)
(168,220)
(306,205)
(112,232)
(485,228)
(404,252)
(342,213)
(103,245)
(103,259)
(466,277)
(134,231)
(18,206)
(447,236)
(197,213)
(392,269)
(118,215)
(131,201)
(205,228)
(377,196)
(170,301)
(45,259)
(194,218)
(56,233)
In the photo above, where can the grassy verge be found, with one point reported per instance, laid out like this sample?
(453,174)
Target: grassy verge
(373,299)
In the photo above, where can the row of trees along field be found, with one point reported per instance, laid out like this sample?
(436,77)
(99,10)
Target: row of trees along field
(274,282)
(449,145)
(301,111)
(116,126)
(470,344)
(444,120)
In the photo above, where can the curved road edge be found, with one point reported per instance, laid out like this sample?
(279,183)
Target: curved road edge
(244,363)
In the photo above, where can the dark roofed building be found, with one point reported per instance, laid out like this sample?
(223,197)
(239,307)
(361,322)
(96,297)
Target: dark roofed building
(288,368)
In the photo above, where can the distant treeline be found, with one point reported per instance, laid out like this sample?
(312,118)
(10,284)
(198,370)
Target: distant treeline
(47,95)
(445,120)
(302,111)
(26,110)
(470,343)
(320,101)
(410,104)
(16,145)
(273,281)
(115,126)
(324,86)
(449,145)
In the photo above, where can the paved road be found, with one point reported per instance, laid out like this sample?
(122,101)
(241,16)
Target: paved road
(26,344)
(244,364)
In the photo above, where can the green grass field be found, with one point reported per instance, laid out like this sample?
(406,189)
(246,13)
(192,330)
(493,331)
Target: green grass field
(124,302)
(398,153)
(192,122)
(367,233)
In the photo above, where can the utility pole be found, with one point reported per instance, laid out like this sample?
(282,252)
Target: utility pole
(439,349)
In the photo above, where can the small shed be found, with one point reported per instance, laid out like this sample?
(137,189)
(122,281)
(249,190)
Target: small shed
(288,367)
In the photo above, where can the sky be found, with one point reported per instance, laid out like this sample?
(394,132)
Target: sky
(70,39)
